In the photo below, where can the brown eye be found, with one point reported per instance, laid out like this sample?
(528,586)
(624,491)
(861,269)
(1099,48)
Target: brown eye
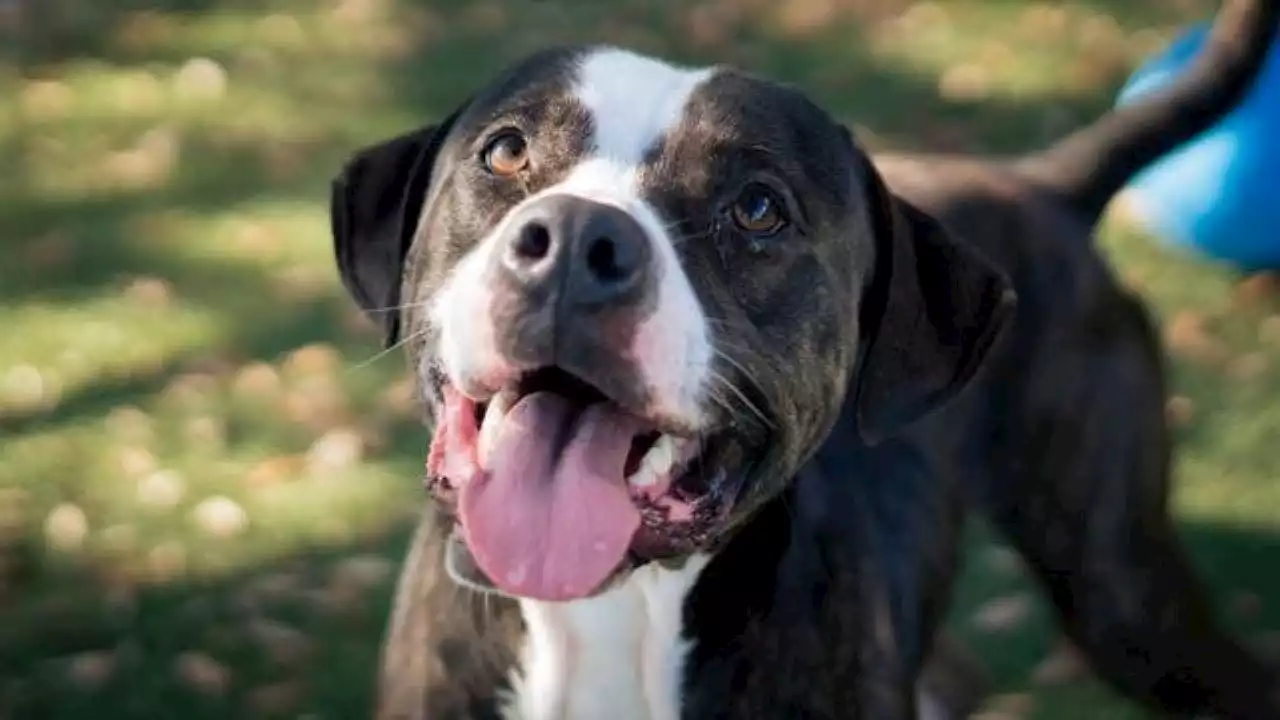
(758,210)
(506,155)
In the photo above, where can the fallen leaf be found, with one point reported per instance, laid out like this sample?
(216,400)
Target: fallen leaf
(1063,664)
(206,433)
(295,284)
(401,398)
(167,561)
(1269,331)
(150,291)
(1249,366)
(284,645)
(1003,614)
(487,16)
(1187,336)
(66,527)
(191,392)
(141,30)
(46,99)
(201,673)
(1043,19)
(13,516)
(1267,645)
(25,388)
(1012,704)
(994,715)
(1179,410)
(337,450)
(921,16)
(319,405)
(277,699)
(118,540)
(965,82)
(1245,604)
(357,323)
(1101,32)
(51,250)
(1004,560)
(802,18)
(363,572)
(1257,289)
(310,360)
(162,489)
(135,461)
(220,517)
(276,587)
(275,470)
(200,79)
(354,12)
(256,381)
(90,670)
(281,30)
(138,93)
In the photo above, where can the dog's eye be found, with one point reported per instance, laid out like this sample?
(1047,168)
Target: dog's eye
(506,154)
(758,210)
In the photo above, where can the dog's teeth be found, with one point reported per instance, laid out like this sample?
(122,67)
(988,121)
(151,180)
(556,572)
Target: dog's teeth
(657,463)
(661,456)
(491,426)
(644,477)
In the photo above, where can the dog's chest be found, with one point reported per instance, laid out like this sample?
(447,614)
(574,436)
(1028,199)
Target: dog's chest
(619,655)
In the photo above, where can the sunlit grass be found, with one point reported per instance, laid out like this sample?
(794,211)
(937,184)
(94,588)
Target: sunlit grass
(197,433)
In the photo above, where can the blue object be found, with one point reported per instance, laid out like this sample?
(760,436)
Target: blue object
(1219,194)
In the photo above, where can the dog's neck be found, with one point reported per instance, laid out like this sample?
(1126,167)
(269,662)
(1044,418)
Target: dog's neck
(619,655)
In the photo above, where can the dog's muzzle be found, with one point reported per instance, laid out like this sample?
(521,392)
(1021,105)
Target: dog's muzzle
(572,281)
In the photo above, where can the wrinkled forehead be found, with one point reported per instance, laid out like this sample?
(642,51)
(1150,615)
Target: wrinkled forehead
(659,120)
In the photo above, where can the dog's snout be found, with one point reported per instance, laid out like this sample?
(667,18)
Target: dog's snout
(591,253)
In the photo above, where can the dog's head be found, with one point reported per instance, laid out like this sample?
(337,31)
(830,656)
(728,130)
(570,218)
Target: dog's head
(636,297)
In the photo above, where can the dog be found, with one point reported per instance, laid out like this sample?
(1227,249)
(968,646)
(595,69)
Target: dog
(712,390)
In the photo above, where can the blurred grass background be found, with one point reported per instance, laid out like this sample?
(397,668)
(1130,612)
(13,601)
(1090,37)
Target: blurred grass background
(208,471)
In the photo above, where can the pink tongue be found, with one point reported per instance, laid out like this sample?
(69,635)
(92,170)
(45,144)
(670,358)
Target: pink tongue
(546,524)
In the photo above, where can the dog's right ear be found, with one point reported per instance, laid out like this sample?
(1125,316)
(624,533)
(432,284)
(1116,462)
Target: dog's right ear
(374,208)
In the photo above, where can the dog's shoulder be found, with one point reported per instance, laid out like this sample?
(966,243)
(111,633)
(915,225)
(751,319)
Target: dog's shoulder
(448,650)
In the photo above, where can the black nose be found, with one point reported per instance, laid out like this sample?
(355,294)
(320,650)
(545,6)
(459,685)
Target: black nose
(593,253)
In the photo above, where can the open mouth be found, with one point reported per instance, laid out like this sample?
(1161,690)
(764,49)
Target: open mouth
(556,487)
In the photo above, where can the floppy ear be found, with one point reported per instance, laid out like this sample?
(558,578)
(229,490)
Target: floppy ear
(934,308)
(374,207)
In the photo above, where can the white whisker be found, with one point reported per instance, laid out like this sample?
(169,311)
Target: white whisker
(742,397)
(383,353)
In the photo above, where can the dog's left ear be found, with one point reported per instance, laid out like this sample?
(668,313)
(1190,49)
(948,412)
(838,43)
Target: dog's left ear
(933,310)
(374,206)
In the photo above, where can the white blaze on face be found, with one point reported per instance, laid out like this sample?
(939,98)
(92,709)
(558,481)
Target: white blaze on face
(633,102)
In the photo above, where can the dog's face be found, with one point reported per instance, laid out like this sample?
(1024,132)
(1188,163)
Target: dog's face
(636,297)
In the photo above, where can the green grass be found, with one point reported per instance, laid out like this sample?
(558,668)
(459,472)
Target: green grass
(207,471)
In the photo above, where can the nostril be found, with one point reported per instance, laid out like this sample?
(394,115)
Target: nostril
(533,242)
(603,261)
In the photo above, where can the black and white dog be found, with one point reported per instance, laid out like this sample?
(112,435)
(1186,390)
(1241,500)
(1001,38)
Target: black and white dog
(711,390)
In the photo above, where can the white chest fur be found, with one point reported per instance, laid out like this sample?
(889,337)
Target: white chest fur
(619,655)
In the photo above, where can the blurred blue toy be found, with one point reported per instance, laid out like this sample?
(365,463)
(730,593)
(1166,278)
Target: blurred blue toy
(1220,193)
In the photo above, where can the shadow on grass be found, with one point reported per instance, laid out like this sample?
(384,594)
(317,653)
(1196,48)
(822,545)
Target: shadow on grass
(330,667)
(834,60)
(452,47)
(295,636)
(1227,557)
